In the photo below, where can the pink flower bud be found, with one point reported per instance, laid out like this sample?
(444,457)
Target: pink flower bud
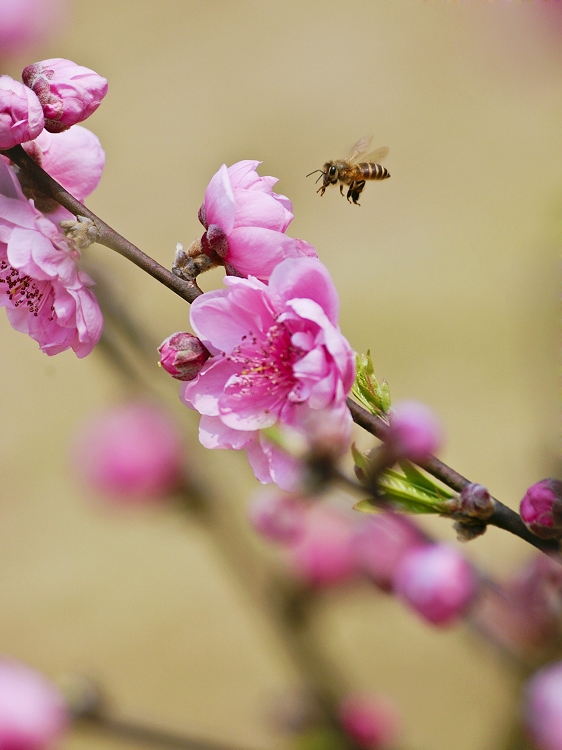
(437,582)
(543,707)
(476,501)
(68,93)
(32,711)
(277,516)
(21,116)
(132,453)
(370,721)
(381,541)
(414,432)
(323,553)
(541,509)
(183,355)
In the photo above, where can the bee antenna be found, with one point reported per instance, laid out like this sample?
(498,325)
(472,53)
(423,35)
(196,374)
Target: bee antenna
(316,170)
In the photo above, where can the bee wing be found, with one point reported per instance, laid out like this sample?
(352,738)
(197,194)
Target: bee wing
(358,149)
(377,155)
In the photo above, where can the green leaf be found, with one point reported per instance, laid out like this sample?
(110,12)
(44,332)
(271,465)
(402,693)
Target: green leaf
(410,492)
(423,480)
(321,738)
(366,389)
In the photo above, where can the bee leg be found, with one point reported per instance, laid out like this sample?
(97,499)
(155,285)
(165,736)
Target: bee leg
(350,191)
(341,188)
(357,190)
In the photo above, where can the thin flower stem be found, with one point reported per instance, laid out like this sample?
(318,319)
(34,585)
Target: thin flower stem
(107,236)
(145,735)
(502,516)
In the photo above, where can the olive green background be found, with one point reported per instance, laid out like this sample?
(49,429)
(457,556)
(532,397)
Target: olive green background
(447,271)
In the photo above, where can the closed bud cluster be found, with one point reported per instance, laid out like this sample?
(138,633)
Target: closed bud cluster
(68,93)
(183,355)
(370,721)
(543,707)
(32,711)
(131,453)
(414,432)
(278,516)
(437,582)
(541,509)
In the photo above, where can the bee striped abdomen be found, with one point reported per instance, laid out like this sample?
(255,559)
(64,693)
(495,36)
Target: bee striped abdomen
(371,171)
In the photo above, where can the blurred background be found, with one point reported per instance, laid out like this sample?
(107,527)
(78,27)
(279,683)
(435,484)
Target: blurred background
(447,272)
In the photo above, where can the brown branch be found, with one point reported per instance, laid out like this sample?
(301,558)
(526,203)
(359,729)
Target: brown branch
(107,236)
(502,516)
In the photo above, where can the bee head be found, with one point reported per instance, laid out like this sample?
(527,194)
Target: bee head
(331,173)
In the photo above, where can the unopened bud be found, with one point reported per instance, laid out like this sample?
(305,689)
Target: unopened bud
(371,721)
(21,116)
(217,240)
(277,516)
(476,502)
(541,509)
(68,93)
(437,582)
(182,355)
(414,432)
(543,707)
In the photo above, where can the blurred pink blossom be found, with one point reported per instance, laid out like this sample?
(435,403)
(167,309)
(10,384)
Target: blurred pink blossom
(132,453)
(437,582)
(25,23)
(69,93)
(278,357)
(21,116)
(44,293)
(381,541)
(323,554)
(543,707)
(278,517)
(32,711)
(371,721)
(541,508)
(246,221)
(414,431)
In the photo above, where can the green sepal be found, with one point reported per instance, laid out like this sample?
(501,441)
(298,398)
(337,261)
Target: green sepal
(366,389)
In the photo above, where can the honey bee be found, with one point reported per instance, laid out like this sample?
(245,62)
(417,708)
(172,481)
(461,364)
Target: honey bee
(350,171)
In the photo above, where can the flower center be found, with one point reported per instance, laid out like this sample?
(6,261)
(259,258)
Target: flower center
(266,364)
(24,290)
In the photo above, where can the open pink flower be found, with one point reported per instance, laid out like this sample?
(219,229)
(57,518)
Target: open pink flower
(44,293)
(69,93)
(246,221)
(278,357)
(74,158)
(21,116)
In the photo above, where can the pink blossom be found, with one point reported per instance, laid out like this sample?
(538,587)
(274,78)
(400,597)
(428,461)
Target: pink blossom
(543,707)
(541,508)
(44,293)
(371,721)
(25,23)
(32,711)
(182,355)
(278,517)
(323,553)
(381,541)
(437,582)
(278,357)
(132,453)
(414,432)
(21,116)
(69,93)
(246,221)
